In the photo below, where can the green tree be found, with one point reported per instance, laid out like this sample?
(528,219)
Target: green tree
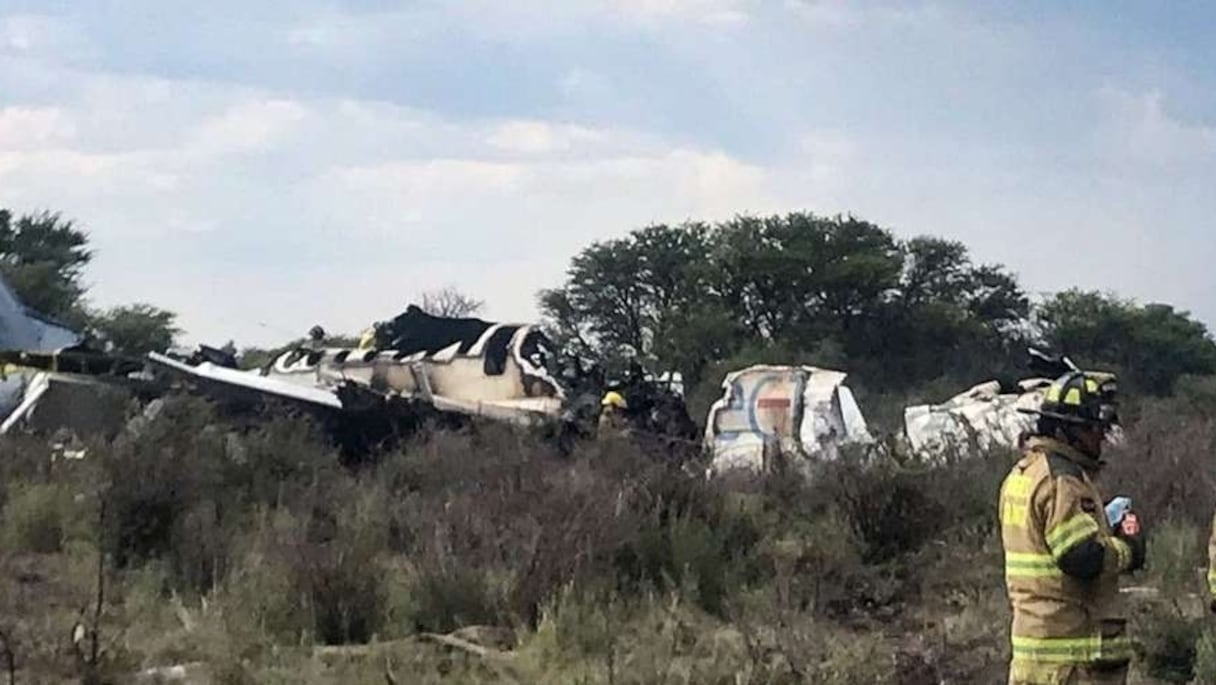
(645,297)
(42,257)
(136,329)
(835,290)
(802,277)
(1150,345)
(948,318)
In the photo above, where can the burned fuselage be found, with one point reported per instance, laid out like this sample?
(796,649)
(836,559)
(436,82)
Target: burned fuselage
(496,370)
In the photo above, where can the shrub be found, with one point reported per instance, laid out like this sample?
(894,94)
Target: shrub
(446,599)
(1176,555)
(1165,464)
(1170,645)
(315,577)
(890,509)
(37,518)
(342,575)
(1205,658)
(181,485)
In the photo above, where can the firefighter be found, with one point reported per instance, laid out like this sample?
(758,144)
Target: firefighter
(612,422)
(316,339)
(1212,567)
(367,339)
(1062,556)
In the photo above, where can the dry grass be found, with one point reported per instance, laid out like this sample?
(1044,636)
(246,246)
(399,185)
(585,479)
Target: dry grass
(250,550)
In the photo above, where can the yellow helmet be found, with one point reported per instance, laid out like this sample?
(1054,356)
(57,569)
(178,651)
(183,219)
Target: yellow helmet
(615,400)
(1082,397)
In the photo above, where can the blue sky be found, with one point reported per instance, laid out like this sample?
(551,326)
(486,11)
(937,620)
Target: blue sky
(260,167)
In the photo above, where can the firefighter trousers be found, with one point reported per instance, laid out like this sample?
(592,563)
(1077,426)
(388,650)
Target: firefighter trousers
(1072,674)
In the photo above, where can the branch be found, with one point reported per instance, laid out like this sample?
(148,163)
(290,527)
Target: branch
(101,591)
(388,670)
(10,658)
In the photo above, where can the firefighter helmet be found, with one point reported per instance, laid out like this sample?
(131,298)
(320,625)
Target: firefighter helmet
(615,400)
(1082,397)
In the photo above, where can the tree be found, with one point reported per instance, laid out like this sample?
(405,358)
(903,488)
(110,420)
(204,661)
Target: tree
(136,329)
(1150,345)
(644,298)
(947,318)
(803,277)
(42,257)
(450,302)
(833,290)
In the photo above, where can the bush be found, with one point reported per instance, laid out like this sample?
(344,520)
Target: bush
(1205,658)
(1176,559)
(285,589)
(180,486)
(890,509)
(37,518)
(447,599)
(1165,464)
(609,564)
(1170,645)
(23,459)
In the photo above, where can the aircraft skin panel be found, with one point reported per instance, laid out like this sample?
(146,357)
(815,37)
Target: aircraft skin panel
(479,347)
(797,408)
(38,387)
(251,381)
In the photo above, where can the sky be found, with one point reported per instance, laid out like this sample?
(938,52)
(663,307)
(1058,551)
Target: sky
(263,167)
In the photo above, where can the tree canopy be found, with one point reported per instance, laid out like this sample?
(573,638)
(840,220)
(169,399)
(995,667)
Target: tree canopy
(1152,345)
(43,258)
(136,329)
(698,297)
(842,291)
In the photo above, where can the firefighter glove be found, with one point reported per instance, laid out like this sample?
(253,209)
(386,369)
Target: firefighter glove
(1137,545)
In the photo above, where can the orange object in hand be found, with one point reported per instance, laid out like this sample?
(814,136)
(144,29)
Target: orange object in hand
(1130,524)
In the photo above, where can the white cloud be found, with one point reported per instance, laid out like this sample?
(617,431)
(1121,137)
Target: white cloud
(244,205)
(1138,128)
(43,36)
(247,127)
(23,128)
(708,12)
(26,33)
(325,191)
(540,137)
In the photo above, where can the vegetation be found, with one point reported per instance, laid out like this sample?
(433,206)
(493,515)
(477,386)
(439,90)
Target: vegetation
(43,257)
(245,551)
(253,552)
(839,291)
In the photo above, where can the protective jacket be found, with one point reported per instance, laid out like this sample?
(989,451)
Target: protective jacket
(612,424)
(1062,564)
(1212,560)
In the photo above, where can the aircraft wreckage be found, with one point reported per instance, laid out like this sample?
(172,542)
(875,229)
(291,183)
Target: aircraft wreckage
(418,366)
(413,367)
(799,411)
(466,366)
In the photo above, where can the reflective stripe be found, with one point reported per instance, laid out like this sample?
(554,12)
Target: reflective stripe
(1123,553)
(1071,533)
(1018,486)
(1016,500)
(1030,565)
(1071,649)
(1014,514)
